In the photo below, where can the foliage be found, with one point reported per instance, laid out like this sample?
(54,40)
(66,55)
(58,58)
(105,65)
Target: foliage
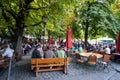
(100,17)
(116,10)
(26,16)
(59,16)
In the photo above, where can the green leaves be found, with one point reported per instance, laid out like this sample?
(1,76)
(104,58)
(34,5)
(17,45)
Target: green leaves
(99,15)
(90,1)
(61,13)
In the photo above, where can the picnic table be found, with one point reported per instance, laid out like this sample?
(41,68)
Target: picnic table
(88,54)
(116,57)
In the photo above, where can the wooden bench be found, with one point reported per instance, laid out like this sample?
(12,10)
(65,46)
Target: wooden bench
(48,64)
(4,62)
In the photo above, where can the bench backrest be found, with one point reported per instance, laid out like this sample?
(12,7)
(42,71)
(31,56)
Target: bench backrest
(47,60)
(49,64)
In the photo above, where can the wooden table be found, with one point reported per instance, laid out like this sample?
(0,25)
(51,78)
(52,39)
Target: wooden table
(88,54)
(116,57)
(116,54)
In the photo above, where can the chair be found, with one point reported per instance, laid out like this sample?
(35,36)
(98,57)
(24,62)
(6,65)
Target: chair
(104,64)
(94,51)
(103,53)
(92,60)
(78,59)
(106,58)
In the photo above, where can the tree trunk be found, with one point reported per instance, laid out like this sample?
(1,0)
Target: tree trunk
(86,33)
(19,36)
(87,25)
(18,47)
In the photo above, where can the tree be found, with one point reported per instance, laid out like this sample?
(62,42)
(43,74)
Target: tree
(20,16)
(14,14)
(116,11)
(95,18)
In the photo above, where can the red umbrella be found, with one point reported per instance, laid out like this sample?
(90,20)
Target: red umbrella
(68,38)
(118,44)
(49,40)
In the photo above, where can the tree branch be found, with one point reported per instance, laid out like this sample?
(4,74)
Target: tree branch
(7,19)
(36,24)
(11,12)
(28,1)
(35,8)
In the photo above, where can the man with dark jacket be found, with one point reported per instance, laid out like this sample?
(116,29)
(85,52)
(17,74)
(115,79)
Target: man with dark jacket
(36,53)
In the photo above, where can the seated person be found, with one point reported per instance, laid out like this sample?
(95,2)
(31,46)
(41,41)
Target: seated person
(36,53)
(60,53)
(41,51)
(8,53)
(49,53)
(67,52)
(54,49)
(72,48)
(80,49)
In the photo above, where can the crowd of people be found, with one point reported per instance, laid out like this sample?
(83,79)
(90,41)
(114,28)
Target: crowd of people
(99,47)
(50,52)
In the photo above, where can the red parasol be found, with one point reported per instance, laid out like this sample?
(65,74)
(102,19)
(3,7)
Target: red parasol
(49,40)
(118,44)
(68,38)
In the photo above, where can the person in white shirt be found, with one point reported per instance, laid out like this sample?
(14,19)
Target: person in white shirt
(8,52)
(107,50)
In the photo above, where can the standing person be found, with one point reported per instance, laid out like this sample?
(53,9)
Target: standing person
(36,53)
(27,48)
(49,53)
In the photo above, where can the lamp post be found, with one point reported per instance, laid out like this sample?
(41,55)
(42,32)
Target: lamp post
(44,28)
